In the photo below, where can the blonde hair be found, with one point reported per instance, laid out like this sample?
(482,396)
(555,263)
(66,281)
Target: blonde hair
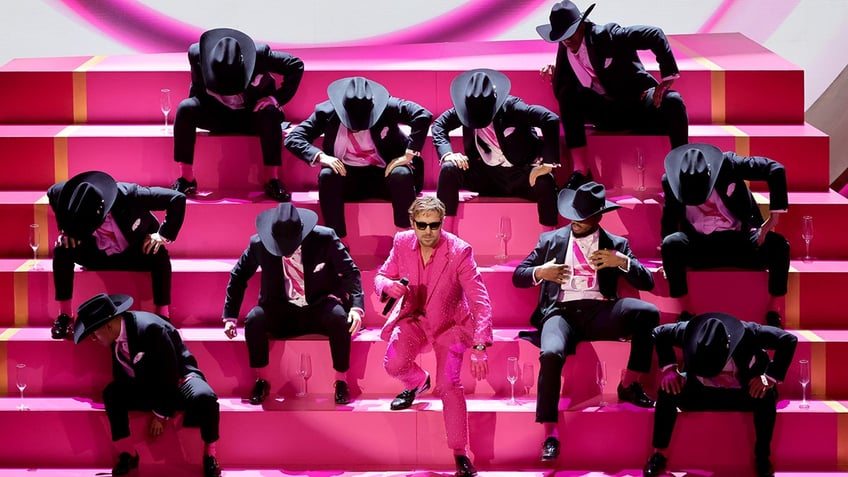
(427,203)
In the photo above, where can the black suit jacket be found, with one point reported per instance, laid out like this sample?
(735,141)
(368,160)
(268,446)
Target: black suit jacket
(132,211)
(613,52)
(390,141)
(262,83)
(159,360)
(749,356)
(734,171)
(514,126)
(327,267)
(553,246)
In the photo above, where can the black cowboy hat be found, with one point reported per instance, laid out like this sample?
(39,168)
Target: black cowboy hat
(477,96)
(709,341)
(283,229)
(358,101)
(589,200)
(97,311)
(564,19)
(83,203)
(227,59)
(692,171)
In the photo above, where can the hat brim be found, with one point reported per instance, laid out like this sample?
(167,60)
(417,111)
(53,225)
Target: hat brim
(336,93)
(697,367)
(502,86)
(565,206)
(208,40)
(264,222)
(673,162)
(549,34)
(122,304)
(103,183)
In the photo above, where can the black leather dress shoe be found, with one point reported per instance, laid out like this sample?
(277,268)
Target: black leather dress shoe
(764,468)
(260,392)
(211,467)
(126,463)
(342,394)
(773,318)
(634,394)
(277,191)
(61,327)
(464,468)
(550,449)
(576,180)
(655,466)
(404,399)
(185,186)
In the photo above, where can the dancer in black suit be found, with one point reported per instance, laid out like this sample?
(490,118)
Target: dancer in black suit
(710,219)
(577,268)
(725,368)
(502,154)
(108,225)
(237,86)
(153,371)
(309,285)
(364,153)
(598,78)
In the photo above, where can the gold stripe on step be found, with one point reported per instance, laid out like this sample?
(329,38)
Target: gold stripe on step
(81,89)
(718,89)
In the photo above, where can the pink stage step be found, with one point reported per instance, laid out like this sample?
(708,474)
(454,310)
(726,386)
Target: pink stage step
(144,154)
(59,368)
(367,435)
(28,295)
(724,78)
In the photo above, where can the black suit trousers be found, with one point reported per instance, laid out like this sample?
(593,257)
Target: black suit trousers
(696,397)
(90,257)
(498,182)
(591,320)
(638,116)
(284,320)
(364,183)
(194,396)
(194,113)
(725,249)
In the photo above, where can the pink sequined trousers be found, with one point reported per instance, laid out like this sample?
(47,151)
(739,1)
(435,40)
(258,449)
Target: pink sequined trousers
(406,343)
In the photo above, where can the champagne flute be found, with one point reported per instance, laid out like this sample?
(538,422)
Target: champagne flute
(804,379)
(34,242)
(305,371)
(512,377)
(528,376)
(21,383)
(807,235)
(504,234)
(165,105)
(640,168)
(601,380)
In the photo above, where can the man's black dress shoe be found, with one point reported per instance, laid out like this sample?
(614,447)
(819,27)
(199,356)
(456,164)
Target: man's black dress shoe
(126,463)
(655,466)
(684,316)
(404,399)
(464,468)
(211,467)
(550,449)
(576,180)
(61,327)
(342,394)
(634,394)
(260,391)
(773,319)
(277,191)
(764,467)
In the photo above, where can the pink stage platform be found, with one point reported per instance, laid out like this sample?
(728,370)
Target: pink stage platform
(739,96)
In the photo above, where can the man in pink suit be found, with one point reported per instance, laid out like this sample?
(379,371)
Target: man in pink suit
(441,301)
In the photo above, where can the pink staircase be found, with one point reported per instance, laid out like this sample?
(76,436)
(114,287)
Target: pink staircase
(739,96)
